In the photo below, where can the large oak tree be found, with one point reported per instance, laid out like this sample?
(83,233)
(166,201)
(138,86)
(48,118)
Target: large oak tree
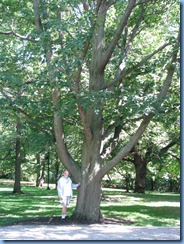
(109,68)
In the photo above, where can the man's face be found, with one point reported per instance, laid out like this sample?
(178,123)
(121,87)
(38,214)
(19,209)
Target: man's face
(66,174)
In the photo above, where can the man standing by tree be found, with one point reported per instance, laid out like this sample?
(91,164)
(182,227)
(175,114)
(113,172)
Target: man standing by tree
(65,193)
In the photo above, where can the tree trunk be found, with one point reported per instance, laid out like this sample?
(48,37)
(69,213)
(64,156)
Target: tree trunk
(140,169)
(127,180)
(152,184)
(17,185)
(57,167)
(170,188)
(40,172)
(88,202)
(140,182)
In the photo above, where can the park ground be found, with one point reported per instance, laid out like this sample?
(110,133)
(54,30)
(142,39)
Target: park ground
(89,232)
(35,215)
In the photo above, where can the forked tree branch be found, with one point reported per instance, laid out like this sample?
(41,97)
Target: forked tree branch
(144,124)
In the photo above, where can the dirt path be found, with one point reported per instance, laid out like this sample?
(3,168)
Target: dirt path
(88,232)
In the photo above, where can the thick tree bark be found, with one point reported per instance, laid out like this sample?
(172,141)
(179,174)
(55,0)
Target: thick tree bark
(140,179)
(89,193)
(88,202)
(140,162)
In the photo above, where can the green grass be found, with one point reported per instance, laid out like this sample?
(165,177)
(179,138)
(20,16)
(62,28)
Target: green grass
(150,209)
(35,202)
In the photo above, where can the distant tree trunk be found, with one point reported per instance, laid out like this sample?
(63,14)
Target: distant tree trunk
(38,167)
(140,184)
(17,185)
(140,169)
(127,179)
(57,165)
(170,185)
(41,171)
(152,184)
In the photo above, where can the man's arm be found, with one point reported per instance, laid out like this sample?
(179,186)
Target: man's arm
(75,186)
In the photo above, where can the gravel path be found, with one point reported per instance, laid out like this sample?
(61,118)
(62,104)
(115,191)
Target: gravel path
(88,232)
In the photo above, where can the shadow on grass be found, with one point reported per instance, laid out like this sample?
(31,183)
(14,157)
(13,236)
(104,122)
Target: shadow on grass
(144,215)
(142,209)
(33,203)
(148,196)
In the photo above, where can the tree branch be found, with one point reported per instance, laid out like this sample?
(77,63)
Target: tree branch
(38,22)
(18,35)
(171,144)
(8,153)
(139,132)
(87,130)
(78,74)
(86,5)
(117,34)
(134,31)
(126,149)
(127,71)
(62,150)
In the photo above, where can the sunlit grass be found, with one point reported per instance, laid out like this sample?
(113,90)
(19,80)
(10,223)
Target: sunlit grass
(150,209)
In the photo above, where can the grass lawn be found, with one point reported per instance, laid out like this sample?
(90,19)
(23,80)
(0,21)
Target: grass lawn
(150,209)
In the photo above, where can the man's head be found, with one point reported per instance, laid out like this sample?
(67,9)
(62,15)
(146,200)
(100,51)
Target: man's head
(66,173)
